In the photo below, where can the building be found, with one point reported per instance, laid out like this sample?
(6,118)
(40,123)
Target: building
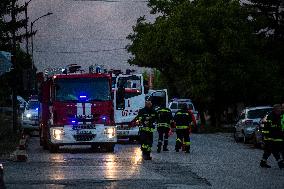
(5,62)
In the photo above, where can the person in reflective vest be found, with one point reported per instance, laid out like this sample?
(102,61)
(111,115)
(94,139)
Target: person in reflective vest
(164,120)
(272,136)
(183,121)
(146,117)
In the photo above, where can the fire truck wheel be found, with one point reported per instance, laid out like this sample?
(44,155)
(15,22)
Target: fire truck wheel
(95,147)
(109,147)
(44,145)
(53,148)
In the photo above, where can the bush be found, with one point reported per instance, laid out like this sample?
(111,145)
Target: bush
(8,140)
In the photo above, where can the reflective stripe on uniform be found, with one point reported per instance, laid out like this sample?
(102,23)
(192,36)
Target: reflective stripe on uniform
(282,122)
(180,113)
(148,129)
(163,110)
(146,147)
(265,132)
(187,143)
(178,140)
(163,125)
(182,127)
(273,139)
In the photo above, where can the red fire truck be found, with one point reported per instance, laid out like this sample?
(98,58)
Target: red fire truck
(77,108)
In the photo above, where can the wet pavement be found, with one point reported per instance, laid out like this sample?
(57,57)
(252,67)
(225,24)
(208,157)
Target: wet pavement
(215,161)
(79,167)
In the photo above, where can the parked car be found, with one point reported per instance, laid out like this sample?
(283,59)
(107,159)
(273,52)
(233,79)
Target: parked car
(21,102)
(30,121)
(176,105)
(248,121)
(159,98)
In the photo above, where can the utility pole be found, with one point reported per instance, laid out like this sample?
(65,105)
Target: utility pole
(14,89)
(26,27)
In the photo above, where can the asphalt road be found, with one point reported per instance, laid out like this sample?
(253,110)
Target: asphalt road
(215,161)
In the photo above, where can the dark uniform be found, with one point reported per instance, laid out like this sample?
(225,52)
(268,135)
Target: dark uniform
(164,120)
(182,121)
(282,129)
(146,116)
(273,139)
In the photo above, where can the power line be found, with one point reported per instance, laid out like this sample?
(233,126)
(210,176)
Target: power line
(82,52)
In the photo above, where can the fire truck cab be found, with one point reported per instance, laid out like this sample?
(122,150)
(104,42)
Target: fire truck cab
(77,109)
(128,98)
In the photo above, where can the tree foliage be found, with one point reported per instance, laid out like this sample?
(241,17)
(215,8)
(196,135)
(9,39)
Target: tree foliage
(208,51)
(22,60)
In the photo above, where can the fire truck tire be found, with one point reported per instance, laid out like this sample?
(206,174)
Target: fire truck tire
(109,147)
(53,148)
(95,147)
(44,145)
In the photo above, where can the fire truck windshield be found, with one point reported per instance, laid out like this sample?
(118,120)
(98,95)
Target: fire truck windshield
(82,89)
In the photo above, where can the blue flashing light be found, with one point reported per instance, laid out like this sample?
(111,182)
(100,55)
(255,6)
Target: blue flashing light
(74,122)
(83,96)
(36,109)
(104,118)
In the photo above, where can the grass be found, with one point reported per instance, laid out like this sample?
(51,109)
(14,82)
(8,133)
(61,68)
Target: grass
(8,140)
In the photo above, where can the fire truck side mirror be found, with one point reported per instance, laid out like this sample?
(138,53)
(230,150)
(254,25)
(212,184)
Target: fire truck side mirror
(120,98)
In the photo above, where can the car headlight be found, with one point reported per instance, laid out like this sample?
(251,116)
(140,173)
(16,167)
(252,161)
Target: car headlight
(28,115)
(58,133)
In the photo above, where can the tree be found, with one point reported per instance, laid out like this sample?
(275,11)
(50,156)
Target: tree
(9,41)
(269,27)
(206,49)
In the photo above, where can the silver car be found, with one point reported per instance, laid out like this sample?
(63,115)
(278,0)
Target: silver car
(30,119)
(176,105)
(248,121)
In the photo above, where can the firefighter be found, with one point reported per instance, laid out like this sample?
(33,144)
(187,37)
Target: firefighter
(282,129)
(147,116)
(164,120)
(272,136)
(183,121)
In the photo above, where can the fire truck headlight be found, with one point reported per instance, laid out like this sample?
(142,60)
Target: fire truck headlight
(110,132)
(58,134)
(28,115)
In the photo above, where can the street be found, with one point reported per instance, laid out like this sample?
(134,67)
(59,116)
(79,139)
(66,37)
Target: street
(215,161)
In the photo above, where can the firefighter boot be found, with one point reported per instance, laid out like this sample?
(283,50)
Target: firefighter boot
(264,164)
(159,147)
(187,149)
(165,148)
(147,156)
(281,164)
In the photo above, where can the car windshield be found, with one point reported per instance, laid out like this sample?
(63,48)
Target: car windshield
(82,89)
(258,113)
(173,106)
(189,106)
(33,105)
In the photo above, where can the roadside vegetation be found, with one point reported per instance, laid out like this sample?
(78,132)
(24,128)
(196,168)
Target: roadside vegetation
(219,53)
(8,140)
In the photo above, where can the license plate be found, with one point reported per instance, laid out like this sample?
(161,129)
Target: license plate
(123,132)
(84,132)
(122,128)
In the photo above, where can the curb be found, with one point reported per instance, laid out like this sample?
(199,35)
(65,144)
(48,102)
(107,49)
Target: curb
(2,185)
(20,154)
